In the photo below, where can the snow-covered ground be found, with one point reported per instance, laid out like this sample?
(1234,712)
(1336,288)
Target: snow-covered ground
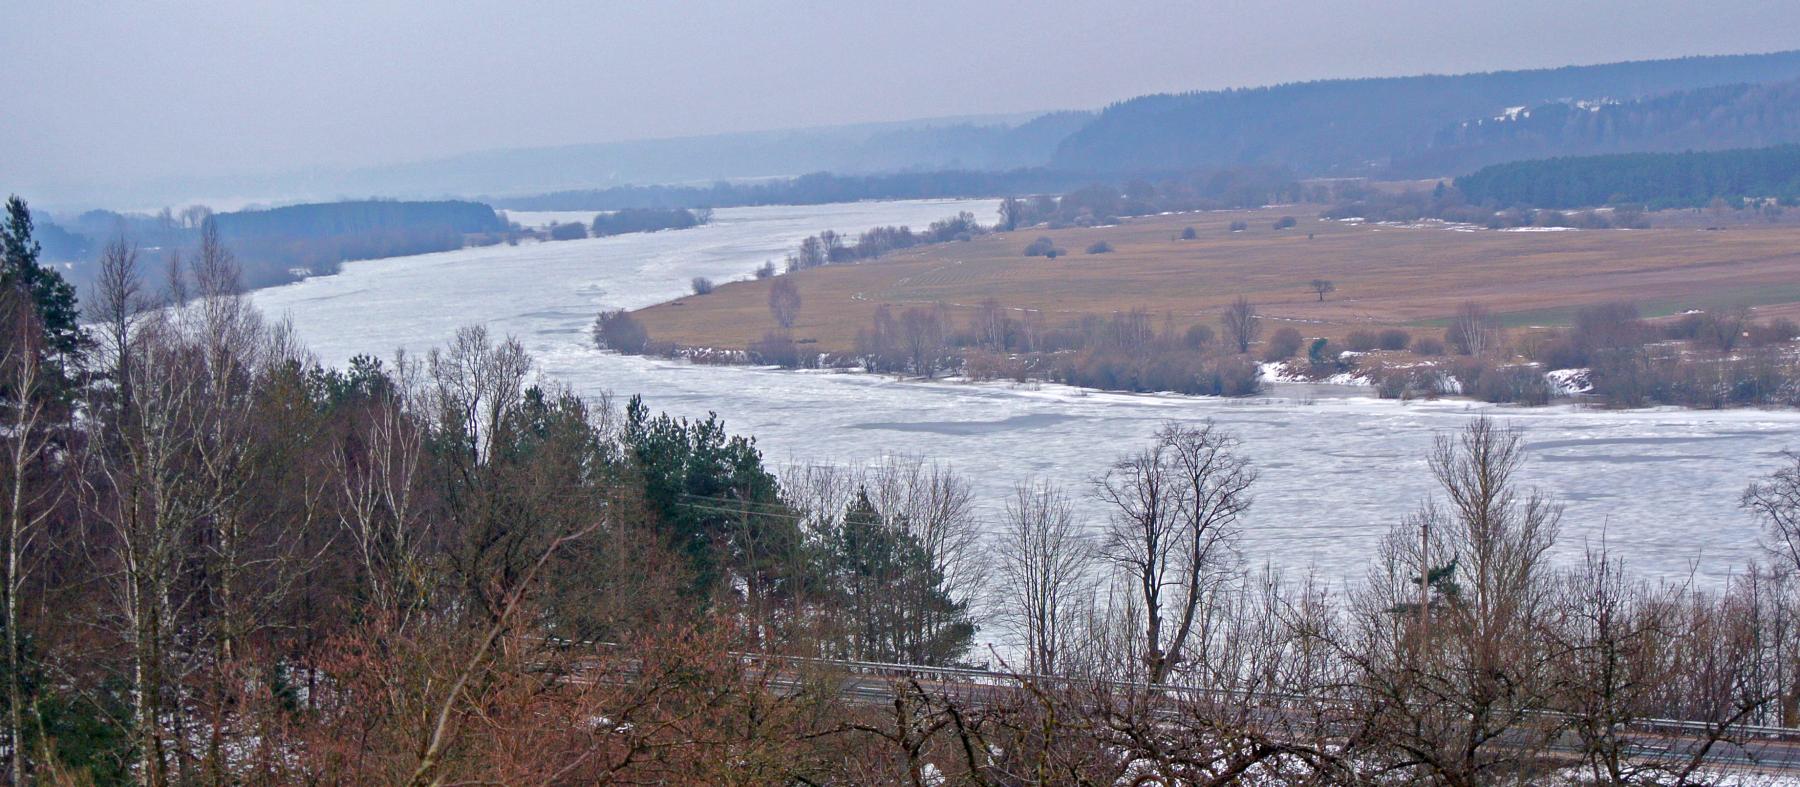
(1338,467)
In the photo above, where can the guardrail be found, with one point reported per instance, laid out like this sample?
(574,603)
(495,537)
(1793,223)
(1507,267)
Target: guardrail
(976,677)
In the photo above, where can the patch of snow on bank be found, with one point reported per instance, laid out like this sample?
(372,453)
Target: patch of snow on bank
(1569,382)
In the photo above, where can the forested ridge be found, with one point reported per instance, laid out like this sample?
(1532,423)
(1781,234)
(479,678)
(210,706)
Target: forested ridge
(1657,180)
(1418,126)
(1364,125)
(1712,118)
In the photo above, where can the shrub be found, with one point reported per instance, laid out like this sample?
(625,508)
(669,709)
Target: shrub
(766,271)
(1053,253)
(1285,222)
(701,285)
(776,348)
(1408,384)
(1042,247)
(1321,353)
(618,331)
(1198,336)
(988,365)
(1777,331)
(1099,247)
(1236,376)
(1393,339)
(1181,372)
(1428,345)
(1240,226)
(1362,341)
(1607,326)
(1189,233)
(1561,352)
(1512,384)
(568,231)
(1283,344)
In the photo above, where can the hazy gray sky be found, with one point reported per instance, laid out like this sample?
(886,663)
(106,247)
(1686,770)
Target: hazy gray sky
(106,92)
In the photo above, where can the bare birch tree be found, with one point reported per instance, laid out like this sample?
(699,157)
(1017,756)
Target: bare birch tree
(1045,566)
(33,489)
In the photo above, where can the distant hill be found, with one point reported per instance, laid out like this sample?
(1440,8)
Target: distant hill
(1659,180)
(1417,126)
(926,145)
(1362,126)
(1711,118)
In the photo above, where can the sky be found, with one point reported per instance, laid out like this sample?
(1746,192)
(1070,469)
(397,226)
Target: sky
(97,93)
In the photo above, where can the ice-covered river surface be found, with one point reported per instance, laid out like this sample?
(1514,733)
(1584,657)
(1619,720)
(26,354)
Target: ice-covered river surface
(1338,468)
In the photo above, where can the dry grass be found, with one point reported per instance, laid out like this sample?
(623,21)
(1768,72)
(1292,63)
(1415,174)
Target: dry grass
(1385,276)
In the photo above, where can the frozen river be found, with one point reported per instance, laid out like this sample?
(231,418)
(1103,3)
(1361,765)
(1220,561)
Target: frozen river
(1338,468)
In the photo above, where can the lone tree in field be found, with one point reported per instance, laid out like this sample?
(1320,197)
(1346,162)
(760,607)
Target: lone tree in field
(1241,323)
(1323,287)
(784,302)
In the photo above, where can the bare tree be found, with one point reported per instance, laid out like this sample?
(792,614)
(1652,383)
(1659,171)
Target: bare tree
(1472,331)
(378,468)
(118,302)
(32,489)
(1241,323)
(193,216)
(474,383)
(990,325)
(937,508)
(1452,654)
(1775,499)
(1045,564)
(1323,287)
(1175,509)
(1012,212)
(922,335)
(784,302)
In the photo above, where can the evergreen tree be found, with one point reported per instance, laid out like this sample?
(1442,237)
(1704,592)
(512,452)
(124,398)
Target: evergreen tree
(716,503)
(893,599)
(53,297)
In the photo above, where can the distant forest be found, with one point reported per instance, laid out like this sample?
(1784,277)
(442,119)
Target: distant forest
(318,238)
(1656,180)
(1415,125)
(1712,118)
(629,220)
(818,188)
(279,245)
(1420,126)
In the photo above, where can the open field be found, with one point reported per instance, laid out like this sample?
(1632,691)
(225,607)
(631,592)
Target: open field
(1411,277)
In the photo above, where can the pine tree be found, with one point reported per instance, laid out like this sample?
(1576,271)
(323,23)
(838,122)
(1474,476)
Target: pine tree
(892,596)
(53,297)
